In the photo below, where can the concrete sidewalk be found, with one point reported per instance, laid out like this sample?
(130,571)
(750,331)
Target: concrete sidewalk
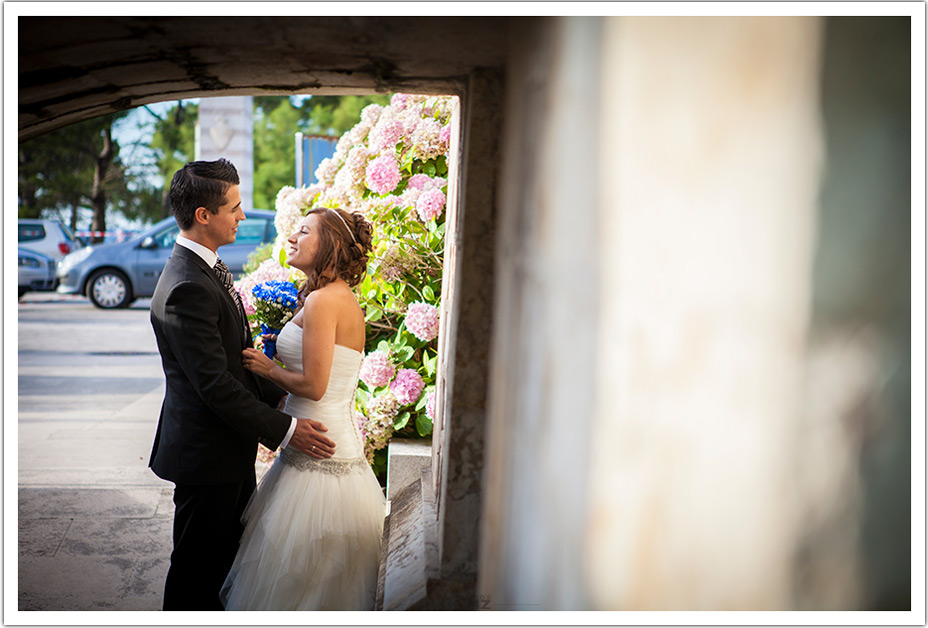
(104,541)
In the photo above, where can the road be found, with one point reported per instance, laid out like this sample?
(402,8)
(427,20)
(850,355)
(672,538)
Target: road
(94,521)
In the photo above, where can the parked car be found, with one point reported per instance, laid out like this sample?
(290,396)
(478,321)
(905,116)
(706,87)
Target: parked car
(49,237)
(118,235)
(36,272)
(114,275)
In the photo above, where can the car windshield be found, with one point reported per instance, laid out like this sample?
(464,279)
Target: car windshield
(67,232)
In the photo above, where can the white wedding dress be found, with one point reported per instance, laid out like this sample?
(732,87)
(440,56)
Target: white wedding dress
(313,527)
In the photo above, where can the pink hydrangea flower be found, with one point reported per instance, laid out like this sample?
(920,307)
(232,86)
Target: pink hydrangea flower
(409,197)
(325,172)
(377,426)
(398,101)
(422,320)
(383,174)
(430,204)
(418,181)
(407,387)
(377,370)
(430,405)
(445,135)
(386,134)
(425,139)
(371,113)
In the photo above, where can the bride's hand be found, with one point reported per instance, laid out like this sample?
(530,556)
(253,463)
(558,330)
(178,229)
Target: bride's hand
(256,362)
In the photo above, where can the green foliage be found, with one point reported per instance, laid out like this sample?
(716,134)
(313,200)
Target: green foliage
(57,171)
(336,115)
(274,150)
(173,144)
(406,268)
(278,119)
(257,256)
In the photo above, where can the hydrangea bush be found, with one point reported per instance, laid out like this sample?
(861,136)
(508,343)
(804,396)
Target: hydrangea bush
(392,167)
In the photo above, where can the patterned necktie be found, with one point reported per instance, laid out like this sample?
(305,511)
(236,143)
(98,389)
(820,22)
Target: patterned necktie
(225,276)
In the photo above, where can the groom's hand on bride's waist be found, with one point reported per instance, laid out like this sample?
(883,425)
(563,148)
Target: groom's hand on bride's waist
(309,439)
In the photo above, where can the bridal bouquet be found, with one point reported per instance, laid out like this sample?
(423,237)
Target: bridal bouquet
(275,302)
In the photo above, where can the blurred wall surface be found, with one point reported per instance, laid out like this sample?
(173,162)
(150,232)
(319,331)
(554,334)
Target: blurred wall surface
(854,447)
(699,383)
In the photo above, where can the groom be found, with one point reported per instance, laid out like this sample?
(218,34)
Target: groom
(214,412)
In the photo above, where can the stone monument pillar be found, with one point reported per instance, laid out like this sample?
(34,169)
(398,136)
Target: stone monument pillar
(225,129)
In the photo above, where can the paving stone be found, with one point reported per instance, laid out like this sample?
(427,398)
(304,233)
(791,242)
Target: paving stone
(72,583)
(41,537)
(121,538)
(101,503)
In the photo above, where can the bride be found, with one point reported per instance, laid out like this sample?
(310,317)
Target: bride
(313,528)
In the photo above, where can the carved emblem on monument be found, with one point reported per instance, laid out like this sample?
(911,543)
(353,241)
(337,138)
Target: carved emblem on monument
(221,133)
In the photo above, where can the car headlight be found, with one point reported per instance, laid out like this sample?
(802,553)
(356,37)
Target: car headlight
(29,261)
(73,259)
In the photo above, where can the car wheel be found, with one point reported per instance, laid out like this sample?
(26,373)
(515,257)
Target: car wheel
(109,289)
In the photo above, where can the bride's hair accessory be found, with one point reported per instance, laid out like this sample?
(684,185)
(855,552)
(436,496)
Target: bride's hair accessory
(344,222)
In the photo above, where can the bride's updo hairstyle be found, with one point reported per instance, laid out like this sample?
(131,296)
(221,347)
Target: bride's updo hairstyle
(344,244)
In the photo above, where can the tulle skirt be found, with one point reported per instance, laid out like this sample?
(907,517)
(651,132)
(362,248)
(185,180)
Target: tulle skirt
(311,542)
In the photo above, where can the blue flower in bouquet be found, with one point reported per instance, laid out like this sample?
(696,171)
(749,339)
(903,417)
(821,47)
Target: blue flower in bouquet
(275,303)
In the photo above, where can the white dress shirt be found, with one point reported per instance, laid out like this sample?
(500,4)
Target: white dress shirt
(211,257)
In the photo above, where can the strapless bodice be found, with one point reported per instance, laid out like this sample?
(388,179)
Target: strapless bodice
(336,408)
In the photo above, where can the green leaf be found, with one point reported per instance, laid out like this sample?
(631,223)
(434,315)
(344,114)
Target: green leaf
(428,293)
(282,258)
(384,346)
(422,400)
(423,424)
(430,364)
(429,169)
(373,314)
(401,421)
(404,353)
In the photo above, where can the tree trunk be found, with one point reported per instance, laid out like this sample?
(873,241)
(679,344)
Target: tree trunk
(27,192)
(75,206)
(166,201)
(102,162)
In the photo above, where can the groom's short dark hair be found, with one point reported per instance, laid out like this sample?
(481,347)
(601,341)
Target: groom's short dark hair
(200,184)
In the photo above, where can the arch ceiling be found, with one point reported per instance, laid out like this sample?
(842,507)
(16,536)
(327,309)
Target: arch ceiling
(75,68)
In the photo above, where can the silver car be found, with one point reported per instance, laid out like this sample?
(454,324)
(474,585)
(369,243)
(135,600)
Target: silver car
(48,237)
(36,272)
(114,275)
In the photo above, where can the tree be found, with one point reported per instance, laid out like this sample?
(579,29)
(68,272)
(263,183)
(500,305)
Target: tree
(173,143)
(335,115)
(274,149)
(71,168)
(278,118)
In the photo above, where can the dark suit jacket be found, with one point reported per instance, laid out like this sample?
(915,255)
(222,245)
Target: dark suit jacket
(214,411)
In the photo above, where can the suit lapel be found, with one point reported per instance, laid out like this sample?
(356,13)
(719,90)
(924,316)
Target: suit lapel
(226,297)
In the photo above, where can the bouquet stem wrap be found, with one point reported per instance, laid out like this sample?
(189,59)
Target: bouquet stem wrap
(270,346)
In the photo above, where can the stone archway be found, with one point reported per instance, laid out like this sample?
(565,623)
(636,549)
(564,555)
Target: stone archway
(76,68)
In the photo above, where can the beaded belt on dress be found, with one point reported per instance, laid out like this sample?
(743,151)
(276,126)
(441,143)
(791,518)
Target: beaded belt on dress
(304,462)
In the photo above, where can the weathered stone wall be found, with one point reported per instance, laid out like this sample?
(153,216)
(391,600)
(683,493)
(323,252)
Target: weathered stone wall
(75,68)
(546,311)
